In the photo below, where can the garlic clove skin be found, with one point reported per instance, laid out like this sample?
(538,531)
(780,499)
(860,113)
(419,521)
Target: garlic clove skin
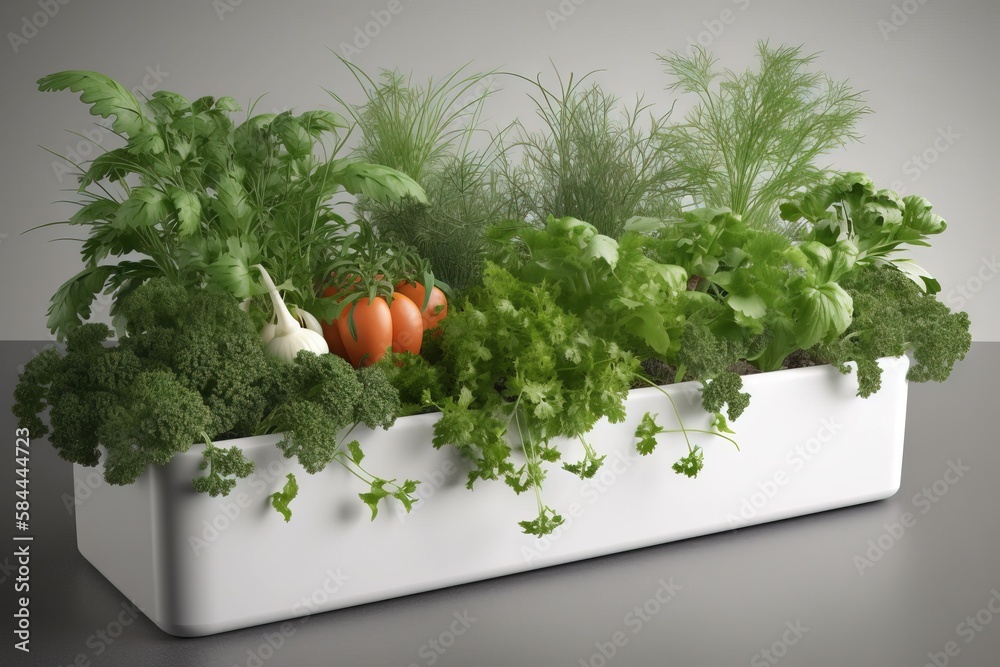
(307,320)
(267,333)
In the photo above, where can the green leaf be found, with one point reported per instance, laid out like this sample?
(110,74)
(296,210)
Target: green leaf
(375,181)
(603,247)
(404,494)
(356,455)
(168,103)
(377,493)
(188,209)
(824,313)
(232,205)
(145,207)
(106,96)
(71,302)
(319,121)
(225,466)
(691,464)
(646,432)
(918,216)
(750,305)
(293,136)
(643,225)
(99,210)
(232,270)
(281,499)
(720,424)
(546,522)
(113,165)
(227,104)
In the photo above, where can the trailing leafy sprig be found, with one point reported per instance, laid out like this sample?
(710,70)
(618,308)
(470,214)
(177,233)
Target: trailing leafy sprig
(224,466)
(280,499)
(522,364)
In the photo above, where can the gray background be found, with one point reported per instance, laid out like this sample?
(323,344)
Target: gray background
(738,589)
(932,73)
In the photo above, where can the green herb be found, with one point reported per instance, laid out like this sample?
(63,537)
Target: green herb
(690,465)
(892,316)
(173,380)
(646,432)
(426,131)
(520,361)
(281,499)
(879,222)
(753,137)
(612,286)
(594,160)
(197,199)
(224,466)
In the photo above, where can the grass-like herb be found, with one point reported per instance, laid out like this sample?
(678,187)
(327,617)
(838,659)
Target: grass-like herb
(427,131)
(594,159)
(753,137)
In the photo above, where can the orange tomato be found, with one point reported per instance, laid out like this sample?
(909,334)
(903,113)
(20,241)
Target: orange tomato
(407,324)
(437,305)
(331,333)
(373,324)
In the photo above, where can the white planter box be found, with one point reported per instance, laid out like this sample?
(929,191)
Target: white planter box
(198,565)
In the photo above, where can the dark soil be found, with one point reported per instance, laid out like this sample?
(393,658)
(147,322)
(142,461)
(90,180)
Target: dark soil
(661,372)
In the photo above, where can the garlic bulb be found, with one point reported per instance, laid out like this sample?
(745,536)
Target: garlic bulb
(288,337)
(305,318)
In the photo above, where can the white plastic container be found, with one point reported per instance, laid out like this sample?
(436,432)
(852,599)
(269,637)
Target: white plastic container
(198,565)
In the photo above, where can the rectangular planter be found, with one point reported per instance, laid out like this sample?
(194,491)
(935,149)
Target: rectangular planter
(198,565)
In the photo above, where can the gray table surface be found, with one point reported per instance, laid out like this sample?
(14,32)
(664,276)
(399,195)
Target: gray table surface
(795,592)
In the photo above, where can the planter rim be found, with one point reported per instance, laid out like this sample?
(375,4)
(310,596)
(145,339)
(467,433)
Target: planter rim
(750,379)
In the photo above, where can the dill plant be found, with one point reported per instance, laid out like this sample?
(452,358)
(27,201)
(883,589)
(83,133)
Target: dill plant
(753,138)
